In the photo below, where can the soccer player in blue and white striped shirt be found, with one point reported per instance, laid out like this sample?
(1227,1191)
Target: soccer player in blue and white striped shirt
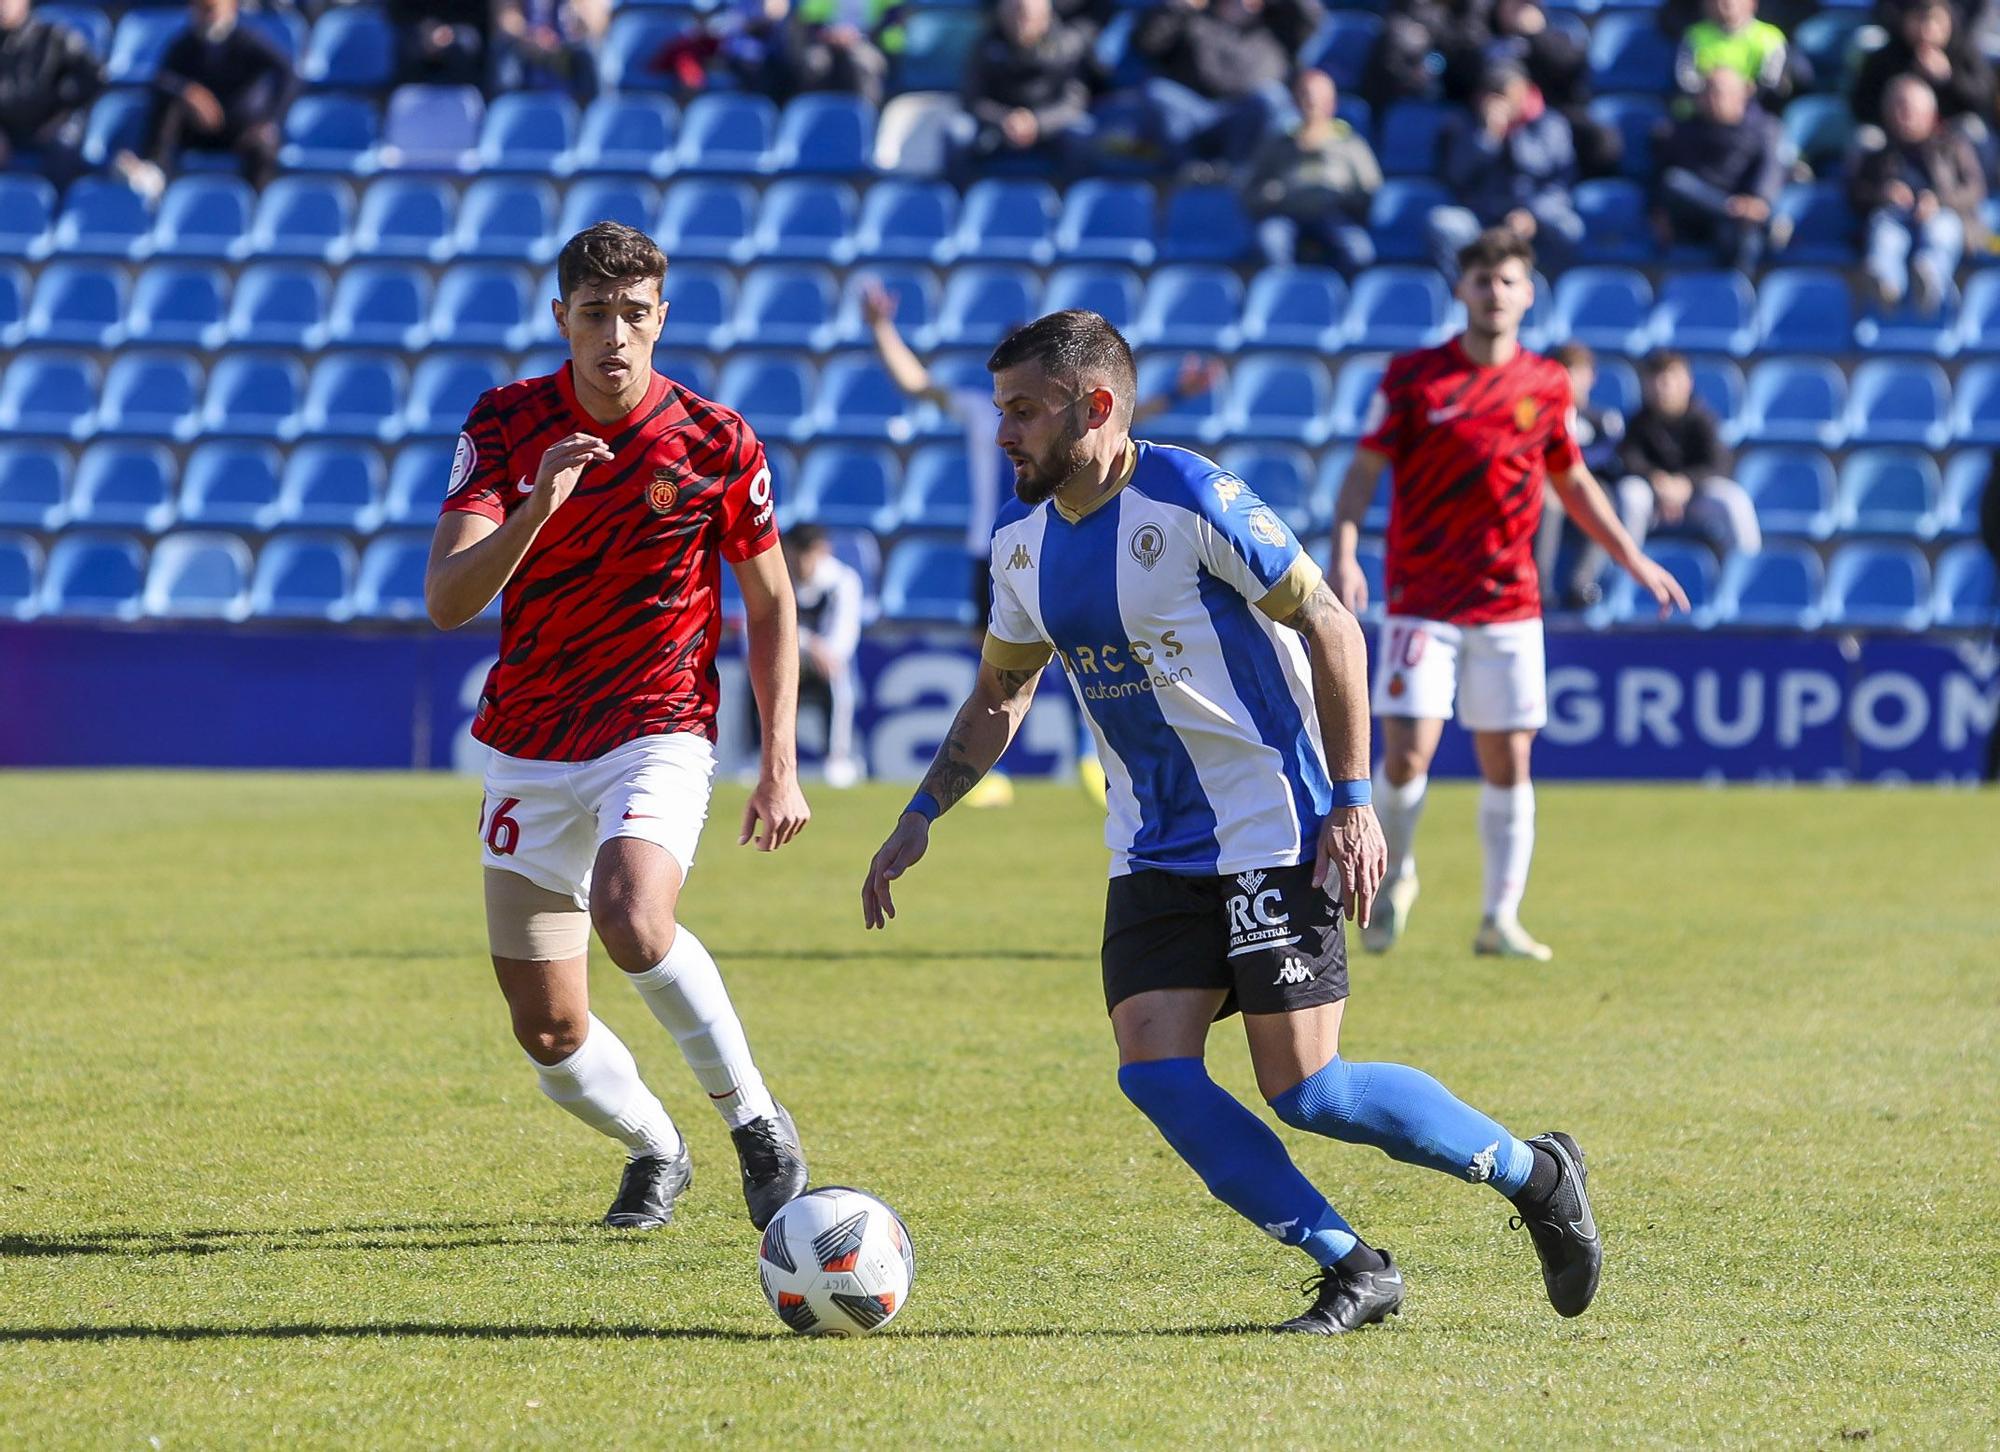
(1227,688)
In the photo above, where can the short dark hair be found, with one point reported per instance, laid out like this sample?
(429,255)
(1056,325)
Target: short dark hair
(1575,355)
(1494,246)
(608,252)
(803,537)
(1660,360)
(1070,345)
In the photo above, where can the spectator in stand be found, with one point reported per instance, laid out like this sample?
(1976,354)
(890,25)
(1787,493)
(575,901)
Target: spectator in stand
(1312,184)
(1599,435)
(1416,36)
(1928,42)
(48,78)
(829,593)
(1920,188)
(1025,95)
(1510,162)
(1677,467)
(1517,32)
(1720,172)
(443,42)
(1223,75)
(551,45)
(221,86)
(779,48)
(1731,35)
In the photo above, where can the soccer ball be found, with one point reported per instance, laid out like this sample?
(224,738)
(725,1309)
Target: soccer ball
(836,1262)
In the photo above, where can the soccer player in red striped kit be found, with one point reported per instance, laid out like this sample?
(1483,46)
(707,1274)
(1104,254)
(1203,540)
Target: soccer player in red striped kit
(1472,430)
(600,504)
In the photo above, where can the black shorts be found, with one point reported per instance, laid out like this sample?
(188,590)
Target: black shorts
(1269,937)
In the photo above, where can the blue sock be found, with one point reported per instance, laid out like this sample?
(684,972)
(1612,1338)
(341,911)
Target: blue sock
(1409,1116)
(1237,1156)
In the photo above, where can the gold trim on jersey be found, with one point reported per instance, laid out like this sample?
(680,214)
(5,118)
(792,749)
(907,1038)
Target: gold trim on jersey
(1283,599)
(1125,472)
(1015,655)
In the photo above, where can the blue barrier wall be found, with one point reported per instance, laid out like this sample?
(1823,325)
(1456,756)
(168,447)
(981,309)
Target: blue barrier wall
(1642,705)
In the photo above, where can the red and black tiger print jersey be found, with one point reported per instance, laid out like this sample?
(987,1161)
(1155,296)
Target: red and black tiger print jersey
(609,626)
(1469,450)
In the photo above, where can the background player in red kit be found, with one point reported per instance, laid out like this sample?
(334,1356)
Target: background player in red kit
(1471,430)
(599,503)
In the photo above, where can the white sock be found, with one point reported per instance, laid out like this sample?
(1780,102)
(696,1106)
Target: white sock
(685,992)
(1507,831)
(1399,808)
(600,1085)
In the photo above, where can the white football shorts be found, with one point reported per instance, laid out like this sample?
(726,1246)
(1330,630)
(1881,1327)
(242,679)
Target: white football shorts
(1496,672)
(546,819)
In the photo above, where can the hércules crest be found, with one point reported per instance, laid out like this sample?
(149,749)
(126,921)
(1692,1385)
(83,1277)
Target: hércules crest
(1264,527)
(664,491)
(1149,544)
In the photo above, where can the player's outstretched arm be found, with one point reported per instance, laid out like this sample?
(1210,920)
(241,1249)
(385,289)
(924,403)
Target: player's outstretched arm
(771,618)
(1350,841)
(906,369)
(1356,491)
(978,738)
(1584,500)
(473,558)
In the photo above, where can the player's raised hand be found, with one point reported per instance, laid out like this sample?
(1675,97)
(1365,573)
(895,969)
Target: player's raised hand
(781,807)
(563,464)
(1351,584)
(1350,844)
(904,849)
(1656,580)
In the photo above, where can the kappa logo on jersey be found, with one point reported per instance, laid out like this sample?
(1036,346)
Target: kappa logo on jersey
(1020,559)
(1226,489)
(1149,545)
(1257,917)
(463,458)
(1265,529)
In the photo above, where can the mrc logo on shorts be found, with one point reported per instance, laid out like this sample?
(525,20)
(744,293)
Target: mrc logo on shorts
(1257,916)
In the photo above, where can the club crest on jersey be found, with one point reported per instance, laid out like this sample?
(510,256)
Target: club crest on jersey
(664,492)
(1525,414)
(1149,545)
(1265,529)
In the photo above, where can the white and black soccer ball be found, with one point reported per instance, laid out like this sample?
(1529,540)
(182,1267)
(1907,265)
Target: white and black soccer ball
(836,1262)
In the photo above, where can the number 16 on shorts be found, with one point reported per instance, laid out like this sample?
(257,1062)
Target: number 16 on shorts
(498,830)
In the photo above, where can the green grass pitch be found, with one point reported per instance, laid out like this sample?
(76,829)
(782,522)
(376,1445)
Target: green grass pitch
(273,1174)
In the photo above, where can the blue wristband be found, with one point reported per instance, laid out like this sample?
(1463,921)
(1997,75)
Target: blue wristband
(926,806)
(1353,793)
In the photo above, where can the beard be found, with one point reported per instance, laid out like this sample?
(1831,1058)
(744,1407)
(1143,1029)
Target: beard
(1042,476)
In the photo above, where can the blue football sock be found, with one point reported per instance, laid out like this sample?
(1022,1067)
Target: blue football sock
(1237,1156)
(1411,1117)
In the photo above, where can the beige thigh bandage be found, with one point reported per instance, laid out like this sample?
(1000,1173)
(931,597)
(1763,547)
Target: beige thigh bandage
(527,921)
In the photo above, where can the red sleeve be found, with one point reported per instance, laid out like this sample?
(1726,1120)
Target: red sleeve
(1560,453)
(479,467)
(1387,432)
(749,513)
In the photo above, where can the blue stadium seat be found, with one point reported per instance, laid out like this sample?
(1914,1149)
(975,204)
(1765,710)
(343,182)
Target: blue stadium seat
(142,37)
(93,576)
(20,577)
(1792,488)
(858,400)
(27,216)
(1004,220)
(634,134)
(354,395)
(1690,563)
(610,199)
(151,395)
(1718,382)
(332,486)
(417,478)
(1113,292)
(1779,588)
(123,486)
(409,217)
(205,217)
(1964,595)
(34,484)
(847,487)
(1296,307)
(982,304)
(1890,491)
(1805,310)
(1200,420)
(1629,53)
(1965,481)
(635,37)
(826,132)
(1108,220)
(711,219)
(1615,225)
(380,305)
(117,121)
(907,221)
(86,20)
(701,304)
(232,484)
(304,577)
(529,131)
(773,391)
(1706,312)
(482,305)
(1398,308)
(13,304)
(49,393)
(432,128)
(924,583)
(1823,228)
(1898,401)
(1343,46)
(444,388)
(103,218)
(936,43)
(308,217)
(1410,141)
(508,219)
(331,132)
(1283,477)
(1354,394)
(724,132)
(1205,224)
(253,395)
(78,302)
(1878,587)
(390,584)
(1616,386)
(1191,306)
(1820,130)
(937,493)
(1796,401)
(693,371)
(281,304)
(1903,329)
(807,219)
(1280,396)
(1828,42)
(175,302)
(1606,307)
(351,48)
(787,306)
(1976,404)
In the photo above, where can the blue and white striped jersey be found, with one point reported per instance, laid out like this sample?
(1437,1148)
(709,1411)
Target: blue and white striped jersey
(1162,602)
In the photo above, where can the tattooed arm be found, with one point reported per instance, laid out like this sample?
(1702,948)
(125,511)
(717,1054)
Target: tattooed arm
(978,738)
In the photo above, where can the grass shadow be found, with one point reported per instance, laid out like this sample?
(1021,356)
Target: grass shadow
(429,1235)
(458,1331)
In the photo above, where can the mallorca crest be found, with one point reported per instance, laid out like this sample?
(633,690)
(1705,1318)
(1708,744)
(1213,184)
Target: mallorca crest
(664,492)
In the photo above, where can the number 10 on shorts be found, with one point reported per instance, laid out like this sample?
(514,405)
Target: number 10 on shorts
(500,832)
